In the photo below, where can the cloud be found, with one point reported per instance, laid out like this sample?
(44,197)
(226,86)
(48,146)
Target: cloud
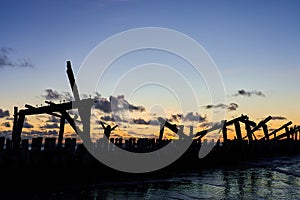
(279,118)
(115,104)
(113,118)
(27,125)
(209,124)
(4,113)
(52,95)
(145,122)
(230,107)
(49,126)
(6,124)
(6,61)
(243,92)
(53,119)
(195,117)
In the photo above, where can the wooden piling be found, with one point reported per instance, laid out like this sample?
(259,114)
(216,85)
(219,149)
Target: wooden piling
(238,130)
(2,141)
(61,131)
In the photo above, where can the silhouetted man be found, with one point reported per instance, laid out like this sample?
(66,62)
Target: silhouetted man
(107,129)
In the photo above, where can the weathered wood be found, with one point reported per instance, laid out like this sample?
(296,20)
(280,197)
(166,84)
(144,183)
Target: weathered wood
(61,131)
(277,130)
(238,130)
(266,131)
(224,131)
(161,132)
(2,141)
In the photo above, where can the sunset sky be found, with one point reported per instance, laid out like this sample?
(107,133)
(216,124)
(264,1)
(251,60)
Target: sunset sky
(254,44)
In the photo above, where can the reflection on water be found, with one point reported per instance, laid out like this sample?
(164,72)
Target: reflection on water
(266,179)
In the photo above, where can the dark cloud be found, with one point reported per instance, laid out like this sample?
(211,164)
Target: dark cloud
(6,61)
(209,124)
(230,107)
(113,118)
(53,119)
(6,124)
(4,113)
(115,104)
(279,118)
(140,121)
(195,117)
(50,132)
(52,95)
(27,125)
(49,126)
(243,92)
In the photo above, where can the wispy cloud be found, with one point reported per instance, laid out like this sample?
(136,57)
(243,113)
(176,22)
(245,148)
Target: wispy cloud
(191,116)
(115,104)
(7,61)
(245,93)
(53,95)
(49,126)
(230,107)
(53,119)
(27,125)
(279,118)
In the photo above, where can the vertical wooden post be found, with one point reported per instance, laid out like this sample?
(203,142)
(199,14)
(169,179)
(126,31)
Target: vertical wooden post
(287,130)
(191,131)
(224,131)
(249,132)
(2,141)
(17,135)
(180,132)
(14,130)
(238,131)
(61,131)
(266,132)
(8,145)
(161,132)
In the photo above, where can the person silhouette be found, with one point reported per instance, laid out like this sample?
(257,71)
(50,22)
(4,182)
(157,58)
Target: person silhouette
(107,129)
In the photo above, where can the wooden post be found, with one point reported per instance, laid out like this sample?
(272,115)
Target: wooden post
(249,133)
(67,144)
(14,130)
(224,131)
(61,131)
(17,135)
(238,131)
(47,144)
(191,131)
(287,130)
(180,132)
(2,141)
(8,145)
(161,132)
(266,132)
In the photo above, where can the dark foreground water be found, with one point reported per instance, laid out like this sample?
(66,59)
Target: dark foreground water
(264,179)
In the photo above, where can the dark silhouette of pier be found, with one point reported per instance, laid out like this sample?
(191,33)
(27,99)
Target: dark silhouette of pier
(65,156)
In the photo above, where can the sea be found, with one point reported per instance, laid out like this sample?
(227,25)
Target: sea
(266,178)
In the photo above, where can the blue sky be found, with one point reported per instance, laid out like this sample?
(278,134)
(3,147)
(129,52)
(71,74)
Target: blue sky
(255,44)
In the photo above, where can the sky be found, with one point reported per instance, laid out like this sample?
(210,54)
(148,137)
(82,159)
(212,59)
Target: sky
(254,44)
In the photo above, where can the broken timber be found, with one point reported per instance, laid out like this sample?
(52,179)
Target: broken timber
(83,106)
